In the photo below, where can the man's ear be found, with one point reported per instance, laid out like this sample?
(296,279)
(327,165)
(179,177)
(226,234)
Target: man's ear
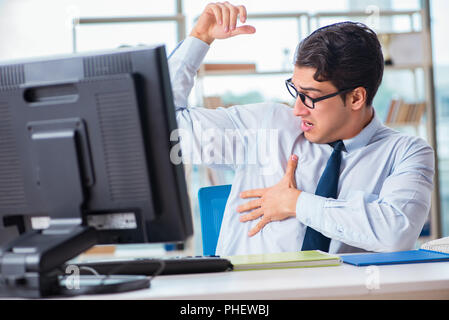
(356,99)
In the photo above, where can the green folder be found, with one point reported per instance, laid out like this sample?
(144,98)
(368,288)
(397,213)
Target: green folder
(302,259)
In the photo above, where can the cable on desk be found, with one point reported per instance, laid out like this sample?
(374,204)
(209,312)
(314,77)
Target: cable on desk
(92,270)
(102,287)
(158,271)
(121,266)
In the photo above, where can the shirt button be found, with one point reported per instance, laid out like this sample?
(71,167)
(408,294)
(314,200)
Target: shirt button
(340,229)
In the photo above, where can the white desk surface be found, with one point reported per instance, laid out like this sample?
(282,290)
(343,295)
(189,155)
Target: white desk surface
(409,281)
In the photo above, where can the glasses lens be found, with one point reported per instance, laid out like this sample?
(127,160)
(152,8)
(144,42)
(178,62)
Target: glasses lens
(305,100)
(295,94)
(292,90)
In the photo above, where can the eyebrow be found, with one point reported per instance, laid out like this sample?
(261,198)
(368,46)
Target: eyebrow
(306,89)
(310,89)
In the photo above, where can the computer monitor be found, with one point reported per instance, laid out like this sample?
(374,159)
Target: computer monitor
(85,140)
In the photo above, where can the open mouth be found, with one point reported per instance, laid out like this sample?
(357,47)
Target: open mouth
(306,125)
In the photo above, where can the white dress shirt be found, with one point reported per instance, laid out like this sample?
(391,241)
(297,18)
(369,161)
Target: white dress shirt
(385,184)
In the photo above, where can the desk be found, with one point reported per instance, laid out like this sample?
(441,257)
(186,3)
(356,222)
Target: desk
(410,281)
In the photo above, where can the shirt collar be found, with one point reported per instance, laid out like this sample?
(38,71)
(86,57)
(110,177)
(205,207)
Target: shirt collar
(364,137)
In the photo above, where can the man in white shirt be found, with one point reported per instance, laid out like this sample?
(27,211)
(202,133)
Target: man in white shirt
(385,178)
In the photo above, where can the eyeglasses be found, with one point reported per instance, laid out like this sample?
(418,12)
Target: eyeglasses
(308,101)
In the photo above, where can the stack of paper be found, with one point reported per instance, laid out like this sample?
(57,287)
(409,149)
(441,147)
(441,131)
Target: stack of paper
(439,245)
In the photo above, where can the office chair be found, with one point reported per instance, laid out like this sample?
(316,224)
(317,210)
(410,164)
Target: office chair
(212,203)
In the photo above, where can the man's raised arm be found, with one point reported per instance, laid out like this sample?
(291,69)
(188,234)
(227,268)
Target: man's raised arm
(224,130)
(217,21)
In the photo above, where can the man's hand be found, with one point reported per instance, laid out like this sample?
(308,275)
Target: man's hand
(276,203)
(219,21)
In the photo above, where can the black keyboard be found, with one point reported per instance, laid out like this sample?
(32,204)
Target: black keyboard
(150,266)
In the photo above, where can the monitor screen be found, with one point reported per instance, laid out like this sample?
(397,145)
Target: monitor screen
(87,136)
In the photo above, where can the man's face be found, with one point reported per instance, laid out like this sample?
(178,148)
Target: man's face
(329,120)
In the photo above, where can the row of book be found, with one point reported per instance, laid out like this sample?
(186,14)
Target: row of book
(405,113)
(400,113)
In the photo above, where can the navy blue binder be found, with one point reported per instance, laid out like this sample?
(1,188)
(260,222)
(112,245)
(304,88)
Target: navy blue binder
(402,257)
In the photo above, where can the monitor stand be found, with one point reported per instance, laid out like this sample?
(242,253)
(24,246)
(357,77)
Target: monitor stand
(30,265)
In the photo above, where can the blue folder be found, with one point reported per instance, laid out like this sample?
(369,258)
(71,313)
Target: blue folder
(402,257)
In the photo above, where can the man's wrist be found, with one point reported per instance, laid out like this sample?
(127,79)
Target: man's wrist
(295,193)
(202,37)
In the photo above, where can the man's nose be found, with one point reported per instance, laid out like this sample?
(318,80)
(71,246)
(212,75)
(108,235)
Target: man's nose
(300,109)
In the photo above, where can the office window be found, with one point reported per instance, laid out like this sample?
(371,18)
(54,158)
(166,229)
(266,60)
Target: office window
(107,36)
(112,35)
(30,28)
(271,48)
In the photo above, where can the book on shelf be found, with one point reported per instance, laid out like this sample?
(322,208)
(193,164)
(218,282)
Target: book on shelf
(392,110)
(301,259)
(405,113)
(212,102)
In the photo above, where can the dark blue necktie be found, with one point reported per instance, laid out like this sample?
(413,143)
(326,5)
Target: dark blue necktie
(327,187)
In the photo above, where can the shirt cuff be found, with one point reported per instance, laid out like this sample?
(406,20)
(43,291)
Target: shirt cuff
(192,50)
(309,210)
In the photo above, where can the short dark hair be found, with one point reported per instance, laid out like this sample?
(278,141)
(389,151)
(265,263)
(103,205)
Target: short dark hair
(348,54)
